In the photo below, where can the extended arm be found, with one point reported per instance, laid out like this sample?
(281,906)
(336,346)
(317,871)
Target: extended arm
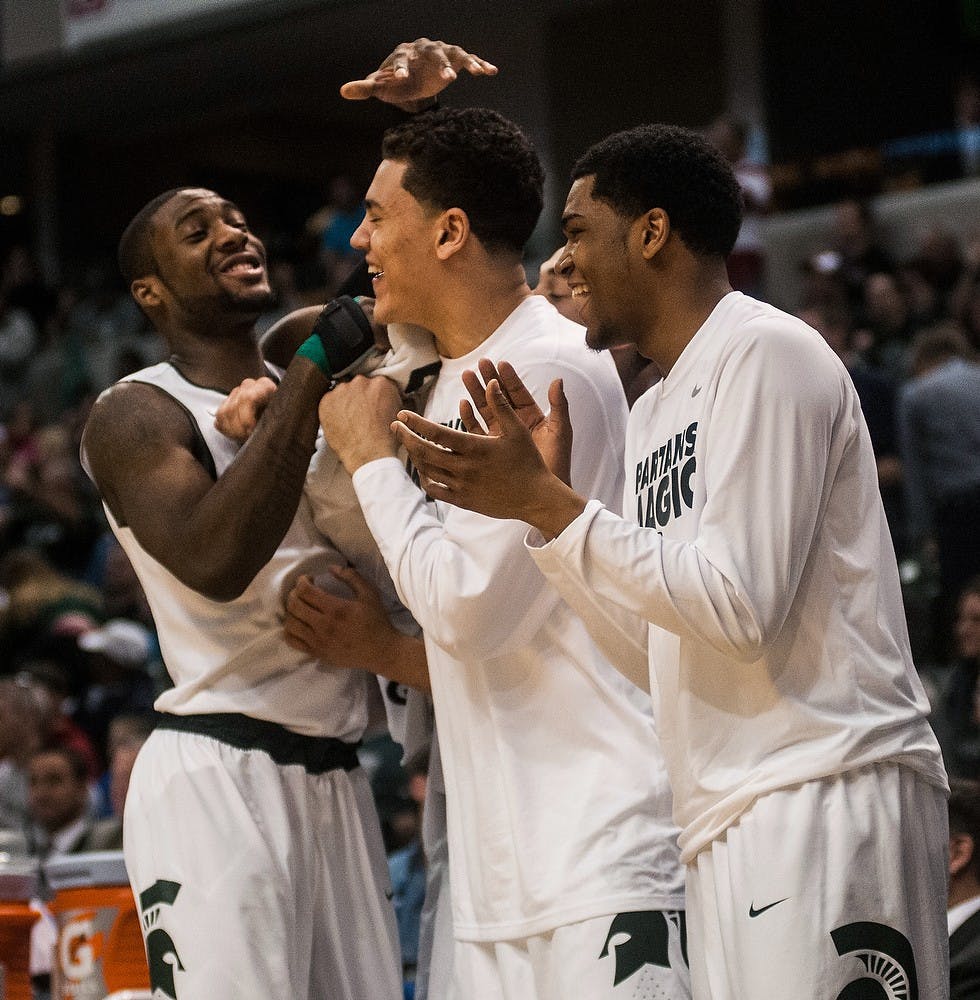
(772,454)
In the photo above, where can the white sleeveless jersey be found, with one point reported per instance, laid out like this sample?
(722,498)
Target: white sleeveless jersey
(231,656)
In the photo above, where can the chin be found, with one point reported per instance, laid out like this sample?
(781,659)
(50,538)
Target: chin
(603,337)
(257,301)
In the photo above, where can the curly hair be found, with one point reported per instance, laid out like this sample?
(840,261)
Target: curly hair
(673,168)
(476,160)
(135,255)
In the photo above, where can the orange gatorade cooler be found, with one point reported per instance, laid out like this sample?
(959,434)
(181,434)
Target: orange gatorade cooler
(18,885)
(100,944)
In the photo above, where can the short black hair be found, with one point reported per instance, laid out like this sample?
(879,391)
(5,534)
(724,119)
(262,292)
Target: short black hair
(673,168)
(476,160)
(135,255)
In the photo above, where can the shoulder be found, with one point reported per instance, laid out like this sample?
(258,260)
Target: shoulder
(783,347)
(128,420)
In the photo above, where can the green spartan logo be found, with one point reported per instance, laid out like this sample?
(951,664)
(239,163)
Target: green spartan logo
(161,953)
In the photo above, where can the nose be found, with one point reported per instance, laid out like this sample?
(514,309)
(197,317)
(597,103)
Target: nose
(563,265)
(360,240)
(230,236)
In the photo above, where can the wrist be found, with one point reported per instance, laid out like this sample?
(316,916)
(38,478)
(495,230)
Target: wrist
(554,508)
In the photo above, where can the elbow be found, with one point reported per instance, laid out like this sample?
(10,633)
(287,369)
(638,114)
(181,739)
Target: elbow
(219,583)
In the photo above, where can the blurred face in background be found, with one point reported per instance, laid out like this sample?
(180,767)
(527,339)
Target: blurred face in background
(56,793)
(968,626)
(555,288)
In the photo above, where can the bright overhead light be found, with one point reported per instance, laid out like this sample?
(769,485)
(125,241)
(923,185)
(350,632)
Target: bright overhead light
(11,204)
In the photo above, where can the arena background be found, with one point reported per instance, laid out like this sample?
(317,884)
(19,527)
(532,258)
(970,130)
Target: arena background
(105,102)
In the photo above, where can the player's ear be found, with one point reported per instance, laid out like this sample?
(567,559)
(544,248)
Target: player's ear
(654,231)
(147,291)
(452,232)
(960,852)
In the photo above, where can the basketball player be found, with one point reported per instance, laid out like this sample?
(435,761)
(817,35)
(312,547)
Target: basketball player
(250,836)
(753,570)
(564,870)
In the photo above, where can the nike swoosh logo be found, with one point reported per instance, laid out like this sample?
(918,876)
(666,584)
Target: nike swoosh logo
(753,912)
(694,392)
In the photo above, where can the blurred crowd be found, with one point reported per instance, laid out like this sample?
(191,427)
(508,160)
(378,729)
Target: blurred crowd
(78,652)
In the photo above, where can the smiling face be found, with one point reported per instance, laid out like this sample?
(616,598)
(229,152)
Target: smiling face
(397,237)
(597,264)
(207,258)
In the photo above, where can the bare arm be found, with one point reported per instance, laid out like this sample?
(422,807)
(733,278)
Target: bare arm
(353,632)
(213,535)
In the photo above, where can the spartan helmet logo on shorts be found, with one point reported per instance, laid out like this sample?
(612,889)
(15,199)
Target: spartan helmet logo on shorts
(646,941)
(161,953)
(886,954)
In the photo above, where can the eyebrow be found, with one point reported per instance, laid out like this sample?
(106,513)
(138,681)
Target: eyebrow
(371,205)
(225,206)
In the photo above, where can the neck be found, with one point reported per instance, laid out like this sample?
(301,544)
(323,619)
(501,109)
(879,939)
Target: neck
(961,891)
(472,305)
(677,315)
(219,360)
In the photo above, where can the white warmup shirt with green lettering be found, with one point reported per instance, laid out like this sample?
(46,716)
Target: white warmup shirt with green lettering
(753,572)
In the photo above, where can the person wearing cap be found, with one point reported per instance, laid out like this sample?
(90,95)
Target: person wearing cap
(116,655)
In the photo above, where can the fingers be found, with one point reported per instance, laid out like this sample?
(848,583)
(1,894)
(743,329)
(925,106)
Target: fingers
(558,402)
(515,390)
(478,394)
(360,587)
(460,59)
(468,416)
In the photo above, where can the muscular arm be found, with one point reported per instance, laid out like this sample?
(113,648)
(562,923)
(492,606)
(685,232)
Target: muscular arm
(213,535)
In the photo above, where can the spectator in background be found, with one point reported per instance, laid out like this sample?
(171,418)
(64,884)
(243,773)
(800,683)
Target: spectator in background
(20,737)
(45,609)
(963,897)
(877,391)
(50,685)
(747,261)
(966,104)
(24,288)
(858,248)
(407,868)
(59,803)
(939,427)
(888,318)
(958,721)
(333,225)
(965,297)
(18,341)
(118,656)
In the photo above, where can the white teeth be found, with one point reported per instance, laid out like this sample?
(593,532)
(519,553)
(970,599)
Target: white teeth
(375,273)
(580,290)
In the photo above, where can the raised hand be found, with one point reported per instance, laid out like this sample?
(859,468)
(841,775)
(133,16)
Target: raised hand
(415,72)
(501,475)
(552,434)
